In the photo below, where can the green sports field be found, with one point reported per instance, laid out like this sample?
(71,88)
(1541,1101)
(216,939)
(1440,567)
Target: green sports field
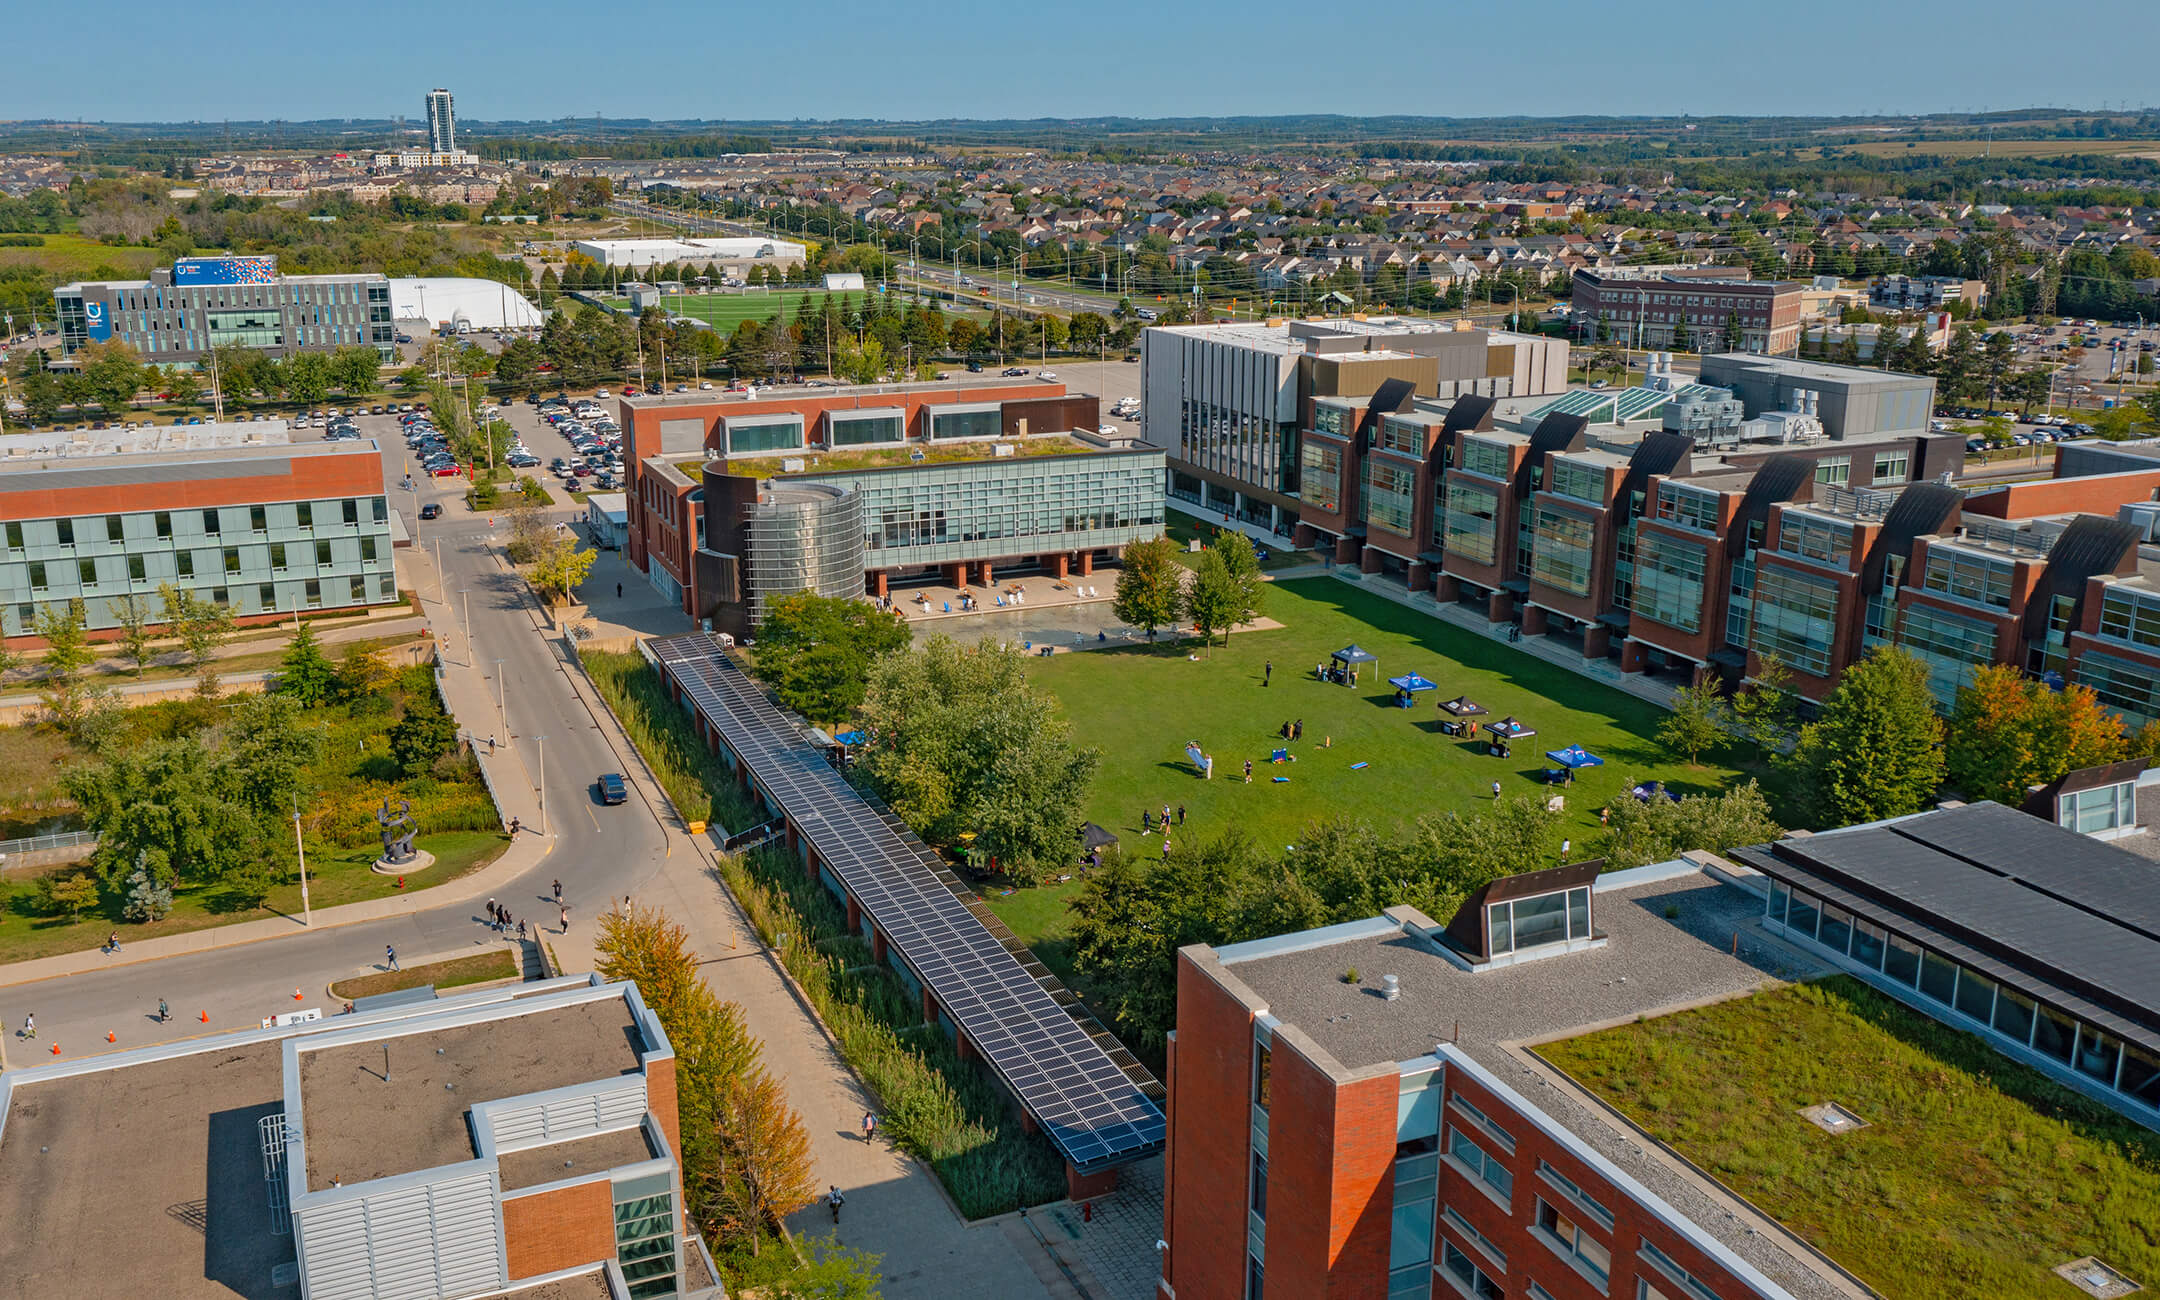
(724,311)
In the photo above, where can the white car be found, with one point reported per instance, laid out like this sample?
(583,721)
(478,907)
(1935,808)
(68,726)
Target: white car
(705,387)
(1108,431)
(1046,374)
(600,393)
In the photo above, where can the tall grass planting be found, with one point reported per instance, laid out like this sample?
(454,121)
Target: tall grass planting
(936,1106)
(697,783)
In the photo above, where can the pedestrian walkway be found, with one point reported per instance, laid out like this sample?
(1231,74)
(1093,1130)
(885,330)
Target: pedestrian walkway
(895,1206)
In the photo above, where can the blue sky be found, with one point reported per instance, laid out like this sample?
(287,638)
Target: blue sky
(135,60)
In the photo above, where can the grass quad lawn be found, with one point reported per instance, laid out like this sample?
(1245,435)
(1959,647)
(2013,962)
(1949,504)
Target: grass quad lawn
(1139,705)
(1975,1176)
(335,876)
(458,971)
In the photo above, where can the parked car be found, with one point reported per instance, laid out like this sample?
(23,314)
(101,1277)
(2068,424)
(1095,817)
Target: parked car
(432,510)
(445,471)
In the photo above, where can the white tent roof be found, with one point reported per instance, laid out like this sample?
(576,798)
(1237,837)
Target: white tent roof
(486,303)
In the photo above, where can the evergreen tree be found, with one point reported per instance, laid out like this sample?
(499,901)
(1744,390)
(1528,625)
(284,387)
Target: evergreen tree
(306,674)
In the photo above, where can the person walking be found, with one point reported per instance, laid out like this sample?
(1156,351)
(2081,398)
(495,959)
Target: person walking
(1166,846)
(390,955)
(1297,729)
(558,892)
(1604,816)
(521,932)
(626,904)
(1147,822)
(514,827)
(618,591)
(1267,672)
(869,1127)
(1181,814)
(1496,791)
(566,920)
(1248,771)
(29,1025)
(164,1013)
(835,1200)
(494,914)
(1565,845)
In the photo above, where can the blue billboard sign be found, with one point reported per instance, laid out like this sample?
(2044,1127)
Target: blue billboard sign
(224,270)
(97,320)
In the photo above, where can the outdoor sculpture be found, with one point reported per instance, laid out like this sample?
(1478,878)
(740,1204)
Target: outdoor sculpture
(398,829)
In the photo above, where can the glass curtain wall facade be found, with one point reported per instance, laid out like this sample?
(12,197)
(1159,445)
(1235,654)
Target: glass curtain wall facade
(1320,477)
(1391,497)
(1235,405)
(952,422)
(1470,531)
(178,324)
(1795,618)
(1951,646)
(1966,998)
(979,510)
(1563,550)
(867,428)
(1668,585)
(275,558)
(805,537)
(756,434)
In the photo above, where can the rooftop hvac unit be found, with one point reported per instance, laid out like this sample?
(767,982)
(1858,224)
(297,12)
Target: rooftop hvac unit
(2145,517)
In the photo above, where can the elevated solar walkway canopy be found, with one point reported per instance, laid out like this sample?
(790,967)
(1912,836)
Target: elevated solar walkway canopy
(1096,1110)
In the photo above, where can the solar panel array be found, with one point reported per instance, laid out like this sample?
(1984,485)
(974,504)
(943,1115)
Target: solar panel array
(1088,1106)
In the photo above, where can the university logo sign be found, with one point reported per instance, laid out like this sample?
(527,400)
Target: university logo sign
(97,322)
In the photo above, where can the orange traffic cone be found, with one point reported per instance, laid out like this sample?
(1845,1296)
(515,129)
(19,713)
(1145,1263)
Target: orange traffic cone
(56,1049)
(206,1017)
(109,1037)
(296,995)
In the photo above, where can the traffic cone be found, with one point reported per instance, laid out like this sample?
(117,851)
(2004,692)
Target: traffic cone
(296,995)
(206,1017)
(56,1049)
(109,1037)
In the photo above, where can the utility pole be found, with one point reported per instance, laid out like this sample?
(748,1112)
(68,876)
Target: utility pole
(307,913)
(541,789)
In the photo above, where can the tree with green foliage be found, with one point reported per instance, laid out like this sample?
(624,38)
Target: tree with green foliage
(305,673)
(1875,749)
(356,370)
(67,654)
(1637,832)
(1211,599)
(425,733)
(817,651)
(112,373)
(2009,733)
(1242,563)
(1149,585)
(961,742)
(1766,708)
(147,899)
(167,808)
(305,377)
(73,892)
(830,1271)
(203,626)
(136,621)
(561,566)
(1697,722)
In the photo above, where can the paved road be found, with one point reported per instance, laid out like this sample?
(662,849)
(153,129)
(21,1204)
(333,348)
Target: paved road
(600,853)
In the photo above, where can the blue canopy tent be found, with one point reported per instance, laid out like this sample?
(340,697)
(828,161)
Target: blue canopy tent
(1408,685)
(1348,658)
(1650,790)
(1574,756)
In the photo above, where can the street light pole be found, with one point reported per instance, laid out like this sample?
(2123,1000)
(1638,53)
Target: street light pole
(465,598)
(501,706)
(307,912)
(541,789)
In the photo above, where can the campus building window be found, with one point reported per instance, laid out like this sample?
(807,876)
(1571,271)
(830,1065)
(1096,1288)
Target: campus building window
(2127,614)
(1668,583)
(1484,1168)
(1405,436)
(1950,645)
(1975,578)
(1834,470)
(2103,808)
(1688,507)
(1815,539)
(1471,1280)
(1390,497)
(1576,481)
(1572,1242)
(1410,1239)
(1320,477)
(771,435)
(1484,457)
(1892,468)
(2132,688)
(1795,618)
(1522,923)
(857,430)
(1563,548)
(1332,418)
(1470,529)
(645,1244)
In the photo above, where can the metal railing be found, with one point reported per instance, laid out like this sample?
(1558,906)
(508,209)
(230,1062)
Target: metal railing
(42,843)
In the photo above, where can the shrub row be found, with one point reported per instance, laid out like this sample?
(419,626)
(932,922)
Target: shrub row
(937,1106)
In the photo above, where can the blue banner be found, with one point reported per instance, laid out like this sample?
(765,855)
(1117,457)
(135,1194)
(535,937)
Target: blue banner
(97,321)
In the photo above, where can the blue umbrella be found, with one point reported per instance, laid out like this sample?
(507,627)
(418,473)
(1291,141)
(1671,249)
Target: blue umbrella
(1574,756)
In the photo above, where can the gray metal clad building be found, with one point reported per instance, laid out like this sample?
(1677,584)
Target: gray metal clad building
(1850,402)
(183,311)
(441,122)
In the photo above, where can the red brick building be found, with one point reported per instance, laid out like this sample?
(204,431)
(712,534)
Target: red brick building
(1692,308)
(1352,1116)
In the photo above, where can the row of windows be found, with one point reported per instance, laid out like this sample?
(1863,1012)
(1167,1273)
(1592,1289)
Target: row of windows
(164,525)
(1950,645)
(2131,687)
(2127,614)
(242,598)
(1320,477)
(1580,482)
(1815,539)
(1330,418)
(1402,435)
(1469,530)
(1991,1006)
(1491,459)
(1976,578)
(1668,581)
(1688,507)
(89,573)
(1563,550)
(1390,497)
(1795,618)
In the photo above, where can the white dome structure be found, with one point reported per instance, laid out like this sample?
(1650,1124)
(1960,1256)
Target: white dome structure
(482,304)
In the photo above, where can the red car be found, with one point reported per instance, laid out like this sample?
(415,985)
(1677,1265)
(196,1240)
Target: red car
(447,471)
(629,392)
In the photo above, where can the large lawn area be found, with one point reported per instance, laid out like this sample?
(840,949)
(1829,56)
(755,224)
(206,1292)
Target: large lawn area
(1974,1177)
(1139,706)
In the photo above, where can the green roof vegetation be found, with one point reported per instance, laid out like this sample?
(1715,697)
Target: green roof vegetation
(827,462)
(1975,1176)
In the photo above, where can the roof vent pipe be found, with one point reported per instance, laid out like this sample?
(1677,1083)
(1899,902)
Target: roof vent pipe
(1390,987)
